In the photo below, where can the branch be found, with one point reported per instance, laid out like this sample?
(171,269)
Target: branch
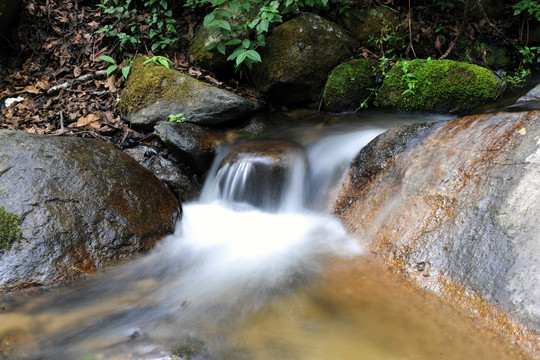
(460,31)
(83,78)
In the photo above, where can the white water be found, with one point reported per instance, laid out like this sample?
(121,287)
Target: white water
(225,261)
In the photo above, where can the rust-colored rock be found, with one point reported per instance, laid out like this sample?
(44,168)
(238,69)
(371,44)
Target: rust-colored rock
(456,209)
(81,203)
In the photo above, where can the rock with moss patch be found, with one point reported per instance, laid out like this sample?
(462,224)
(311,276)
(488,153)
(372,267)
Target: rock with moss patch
(298,57)
(372,26)
(153,92)
(349,84)
(71,205)
(438,86)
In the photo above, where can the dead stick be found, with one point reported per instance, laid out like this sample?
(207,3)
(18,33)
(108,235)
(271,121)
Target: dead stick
(83,78)
(460,31)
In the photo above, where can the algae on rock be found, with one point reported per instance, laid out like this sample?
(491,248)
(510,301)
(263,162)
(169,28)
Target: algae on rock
(298,57)
(349,85)
(10,230)
(437,85)
(153,92)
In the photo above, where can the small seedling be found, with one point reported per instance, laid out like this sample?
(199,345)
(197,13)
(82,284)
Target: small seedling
(177,118)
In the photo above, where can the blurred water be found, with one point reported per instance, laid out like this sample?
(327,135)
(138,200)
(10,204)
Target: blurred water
(208,290)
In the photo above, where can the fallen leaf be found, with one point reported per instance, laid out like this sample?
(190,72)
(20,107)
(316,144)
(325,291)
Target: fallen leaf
(91,120)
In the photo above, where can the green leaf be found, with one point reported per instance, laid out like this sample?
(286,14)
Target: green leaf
(246,43)
(253,55)
(246,6)
(236,53)
(208,19)
(165,62)
(224,13)
(263,26)
(218,2)
(111,69)
(221,48)
(107,59)
(261,40)
(235,6)
(241,58)
(125,71)
(225,25)
(233,42)
(254,23)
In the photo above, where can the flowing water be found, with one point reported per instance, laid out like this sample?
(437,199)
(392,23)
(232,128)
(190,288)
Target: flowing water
(241,282)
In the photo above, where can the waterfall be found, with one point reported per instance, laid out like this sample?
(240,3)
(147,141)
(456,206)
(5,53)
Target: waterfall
(233,251)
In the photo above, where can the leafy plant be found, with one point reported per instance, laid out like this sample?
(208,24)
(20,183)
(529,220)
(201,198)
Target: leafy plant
(157,30)
(243,25)
(115,67)
(177,118)
(159,60)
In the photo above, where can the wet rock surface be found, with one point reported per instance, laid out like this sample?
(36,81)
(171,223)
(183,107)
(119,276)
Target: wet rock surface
(454,207)
(191,143)
(180,178)
(82,203)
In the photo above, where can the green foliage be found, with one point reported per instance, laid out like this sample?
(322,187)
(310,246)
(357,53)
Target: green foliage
(159,60)
(157,31)
(10,230)
(124,70)
(242,25)
(177,118)
(530,8)
(389,41)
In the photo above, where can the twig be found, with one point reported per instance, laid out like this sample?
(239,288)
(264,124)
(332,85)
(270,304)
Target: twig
(460,31)
(410,32)
(83,78)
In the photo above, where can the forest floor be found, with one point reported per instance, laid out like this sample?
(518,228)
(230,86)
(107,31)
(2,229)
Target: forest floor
(51,67)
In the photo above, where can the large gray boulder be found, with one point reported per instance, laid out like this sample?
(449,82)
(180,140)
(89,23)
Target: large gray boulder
(298,57)
(454,206)
(80,203)
(153,92)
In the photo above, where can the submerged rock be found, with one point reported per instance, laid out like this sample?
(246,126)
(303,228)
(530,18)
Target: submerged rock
(81,203)
(153,92)
(454,207)
(298,57)
(437,86)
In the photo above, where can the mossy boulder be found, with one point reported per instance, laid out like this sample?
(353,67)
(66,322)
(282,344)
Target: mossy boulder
(368,26)
(211,60)
(438,86)
(153,92)
(349,85)
(298,57)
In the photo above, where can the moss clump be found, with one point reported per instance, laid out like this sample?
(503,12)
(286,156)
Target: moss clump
(437,85)
(298,56)
(349,85)
(148,83)
(10,229)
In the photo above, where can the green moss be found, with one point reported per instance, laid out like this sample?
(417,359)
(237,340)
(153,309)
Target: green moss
(437,85)
(316,44)
(149,83)
(10,230)
(348,85)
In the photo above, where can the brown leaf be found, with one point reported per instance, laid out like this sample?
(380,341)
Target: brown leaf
(90,120)
(77,71)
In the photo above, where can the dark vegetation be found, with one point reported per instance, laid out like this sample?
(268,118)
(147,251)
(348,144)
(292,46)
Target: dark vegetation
(57,55)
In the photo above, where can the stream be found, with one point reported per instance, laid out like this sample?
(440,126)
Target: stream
(236,281)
